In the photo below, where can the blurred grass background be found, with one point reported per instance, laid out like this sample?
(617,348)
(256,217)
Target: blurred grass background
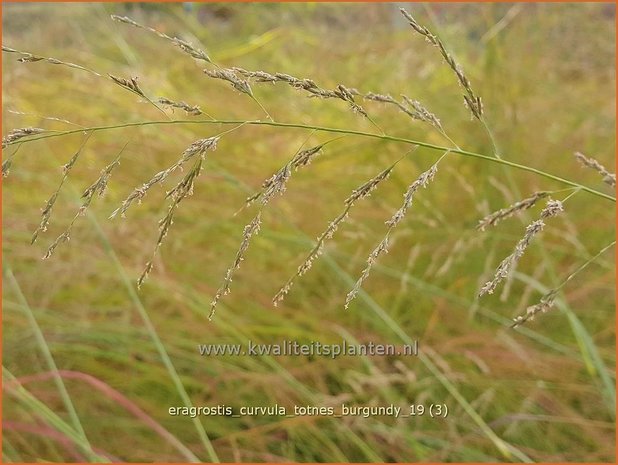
(546,74)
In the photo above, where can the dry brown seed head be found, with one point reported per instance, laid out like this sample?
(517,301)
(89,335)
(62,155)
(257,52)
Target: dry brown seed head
(422,181)
(504,213)
(553,208)
(589,162)
(228,75)
(305,157)
(129,84)
(546,304)
(17,134)
(366,189)
(379,98)
(189,109)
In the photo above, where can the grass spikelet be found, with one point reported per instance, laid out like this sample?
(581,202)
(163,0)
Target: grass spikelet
(132,86)
(472,101)
(258,76)
(129,84)
(384,98)
(27,57)
(193,110)
(17,134)
(250,230)
(553,208)
(241,85)
(547,301)
(341,92)
(422,181)
(347,95)
(199,147)
(305,157)
(413,108)
(504,213)
(366,189)
(96,188)
(507,265)
(6,167)
(546,304)
(181,191)
(276,184)
(421,113)
(49,205)
(608,178)
(382,248)
(181,44)
(297,83)
(361,192)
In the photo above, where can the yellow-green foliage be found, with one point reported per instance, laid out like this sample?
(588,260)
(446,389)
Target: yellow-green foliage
(545,391)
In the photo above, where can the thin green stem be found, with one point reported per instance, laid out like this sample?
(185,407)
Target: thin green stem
(386,137)
(47,355)
(154,336)
(584,265)
(12,386)
(262,107)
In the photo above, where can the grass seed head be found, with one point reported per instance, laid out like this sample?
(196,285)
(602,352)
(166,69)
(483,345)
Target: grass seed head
(382,248)
(608,178)
(546,303)
(471,100)
(17,134)
(512,210)
(250,230)
(366,189)
(193,110)
(129,84)
(422,181)
(228,75)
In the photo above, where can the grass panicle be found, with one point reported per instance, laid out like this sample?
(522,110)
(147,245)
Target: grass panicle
(27,57)
(129,84)
(382,248)
(305,157)
(546,303)
(197,148)
(192,110)
(276,184)
(366,189)
(341,92)
(241,85)
(422,181)
(472,101)
(182,190)
(588,162)
(421,113)
(250,230)
(553,208)
(359,193)
(49,205)
(183,45)
(239,79)
(496,217)
(96,188)
(308,85)
(17,134)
